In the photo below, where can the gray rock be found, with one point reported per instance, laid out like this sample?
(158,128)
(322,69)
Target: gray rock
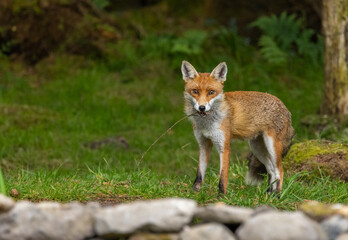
(281,226)
(335,226)
(49,206)
(263,209)
(343,237)
(166,215)
(207,231)
(223,214)
(6,203)
(47,221)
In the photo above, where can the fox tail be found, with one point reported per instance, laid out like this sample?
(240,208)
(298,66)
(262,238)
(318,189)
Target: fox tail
(257,171)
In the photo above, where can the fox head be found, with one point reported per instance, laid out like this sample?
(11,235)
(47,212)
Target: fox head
(204,91)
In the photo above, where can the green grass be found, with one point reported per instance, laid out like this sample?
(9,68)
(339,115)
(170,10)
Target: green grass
(48,114)
(117,185)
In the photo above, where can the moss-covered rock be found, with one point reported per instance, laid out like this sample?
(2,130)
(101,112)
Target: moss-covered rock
(320,211)
(320,158)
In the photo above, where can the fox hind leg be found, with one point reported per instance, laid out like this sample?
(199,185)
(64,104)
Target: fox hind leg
(275,150)
(266,150)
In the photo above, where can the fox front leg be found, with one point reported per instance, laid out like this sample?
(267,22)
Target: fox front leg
(224,167)
(205,146)
(221,140)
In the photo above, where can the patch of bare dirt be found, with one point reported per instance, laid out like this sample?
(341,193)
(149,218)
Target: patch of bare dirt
(117,141)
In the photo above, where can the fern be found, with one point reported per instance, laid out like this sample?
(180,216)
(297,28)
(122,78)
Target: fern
(284,30)
(101,4)
(271,52)
(285,36)
(309,49)
(228,37)
(190,43)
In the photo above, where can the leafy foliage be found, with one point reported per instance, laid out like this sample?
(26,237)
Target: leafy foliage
(101,3)
(190,43)
(285,36)
(229,39)
(271,51)
(308,49)
(284,30)
(175,47)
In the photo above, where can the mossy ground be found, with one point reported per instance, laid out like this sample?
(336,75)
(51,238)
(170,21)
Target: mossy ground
(319,157)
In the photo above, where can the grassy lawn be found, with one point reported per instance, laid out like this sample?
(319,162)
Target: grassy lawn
(51,118)
(74,129)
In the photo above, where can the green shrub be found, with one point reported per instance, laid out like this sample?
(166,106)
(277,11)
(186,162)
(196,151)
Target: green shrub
(285,36)
(101,3)
(174,48)
(229,39)
(271,51)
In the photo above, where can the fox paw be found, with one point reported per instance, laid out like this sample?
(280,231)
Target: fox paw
(197,187)
(274,188)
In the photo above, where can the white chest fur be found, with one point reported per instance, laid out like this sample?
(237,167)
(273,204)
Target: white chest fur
(209,127)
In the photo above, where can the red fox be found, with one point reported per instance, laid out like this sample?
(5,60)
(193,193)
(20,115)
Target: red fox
(219,117)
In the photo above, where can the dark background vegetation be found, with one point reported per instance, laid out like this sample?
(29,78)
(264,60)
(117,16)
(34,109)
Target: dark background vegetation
(33,29)
(87,85)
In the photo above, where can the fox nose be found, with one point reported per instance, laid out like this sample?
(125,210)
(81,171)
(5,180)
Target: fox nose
(201,108)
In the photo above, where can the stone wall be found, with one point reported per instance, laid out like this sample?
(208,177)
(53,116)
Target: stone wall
(170,219)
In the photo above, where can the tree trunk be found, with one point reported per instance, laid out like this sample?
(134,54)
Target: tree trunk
(335,27)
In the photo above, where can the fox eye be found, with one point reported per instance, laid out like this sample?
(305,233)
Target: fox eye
(211,92)
(195,91)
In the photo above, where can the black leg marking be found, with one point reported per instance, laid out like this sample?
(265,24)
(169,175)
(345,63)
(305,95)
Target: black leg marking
(273,186)
(221,187)
(198,182)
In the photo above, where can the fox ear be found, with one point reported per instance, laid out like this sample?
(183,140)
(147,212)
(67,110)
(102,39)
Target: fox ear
(220,72)
(188,71)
